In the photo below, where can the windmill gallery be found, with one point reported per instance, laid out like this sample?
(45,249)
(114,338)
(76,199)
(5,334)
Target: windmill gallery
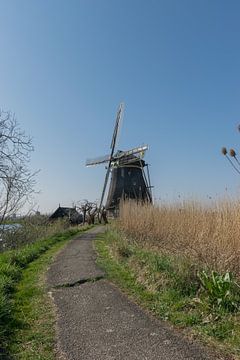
(126,170)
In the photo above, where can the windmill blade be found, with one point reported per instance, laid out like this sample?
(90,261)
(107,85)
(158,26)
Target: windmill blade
(117,126)
(104,186)
(98,160)
(113,144)
(138,150)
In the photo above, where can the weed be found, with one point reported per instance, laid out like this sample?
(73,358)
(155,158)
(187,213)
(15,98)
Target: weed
(221,289)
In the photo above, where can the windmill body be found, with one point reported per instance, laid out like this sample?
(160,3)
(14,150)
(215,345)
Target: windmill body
(126,168)
(127,182)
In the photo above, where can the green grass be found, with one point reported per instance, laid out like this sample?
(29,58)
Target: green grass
(170,288)
(33,324)
(26,315)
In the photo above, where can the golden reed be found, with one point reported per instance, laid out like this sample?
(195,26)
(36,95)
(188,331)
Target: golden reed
(207,236)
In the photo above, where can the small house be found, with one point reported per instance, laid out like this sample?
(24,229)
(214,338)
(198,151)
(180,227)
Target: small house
(71,214)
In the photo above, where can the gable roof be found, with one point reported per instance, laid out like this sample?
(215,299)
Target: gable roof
(61,212)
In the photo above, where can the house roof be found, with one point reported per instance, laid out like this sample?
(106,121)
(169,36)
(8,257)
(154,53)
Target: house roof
(64,212)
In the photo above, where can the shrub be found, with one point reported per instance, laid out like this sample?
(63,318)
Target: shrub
(221,289)
(32,229)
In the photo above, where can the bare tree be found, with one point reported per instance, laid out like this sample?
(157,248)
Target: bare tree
(83,207)
(89,211)
(92,212)
(103,215)
(16,180)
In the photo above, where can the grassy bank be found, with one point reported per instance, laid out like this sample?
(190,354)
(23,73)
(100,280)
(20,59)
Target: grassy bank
(174,289)
(30,230)
(25,316)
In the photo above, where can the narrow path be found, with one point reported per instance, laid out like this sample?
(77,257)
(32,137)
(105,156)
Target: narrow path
(76,261)
(97,322)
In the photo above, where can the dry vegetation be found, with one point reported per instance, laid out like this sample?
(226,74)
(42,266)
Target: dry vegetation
(206,236)
(33,228)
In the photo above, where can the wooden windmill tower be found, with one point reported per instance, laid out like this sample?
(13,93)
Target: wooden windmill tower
(128,178)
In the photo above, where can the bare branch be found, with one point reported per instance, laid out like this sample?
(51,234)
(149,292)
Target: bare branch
(16,180)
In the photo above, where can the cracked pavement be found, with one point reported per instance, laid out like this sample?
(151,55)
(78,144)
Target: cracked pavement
(96,321)
(76,261)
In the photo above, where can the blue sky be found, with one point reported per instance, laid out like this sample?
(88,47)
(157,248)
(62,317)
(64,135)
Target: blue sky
(66,65)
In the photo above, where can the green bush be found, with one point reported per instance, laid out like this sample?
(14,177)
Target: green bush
(221,289)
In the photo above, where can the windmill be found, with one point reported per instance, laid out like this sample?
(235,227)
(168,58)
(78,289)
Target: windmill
(128,178)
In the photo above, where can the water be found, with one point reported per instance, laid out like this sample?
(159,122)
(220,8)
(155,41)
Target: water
(9,227)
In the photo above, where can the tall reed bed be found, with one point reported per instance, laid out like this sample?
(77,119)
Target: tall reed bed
(208,236)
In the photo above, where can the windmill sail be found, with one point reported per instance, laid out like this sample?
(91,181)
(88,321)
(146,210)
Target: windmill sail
(138,150)
(113,144)
(98,160)
(117,127)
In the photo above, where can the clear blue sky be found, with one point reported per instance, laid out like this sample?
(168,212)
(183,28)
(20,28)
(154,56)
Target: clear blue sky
(66,65)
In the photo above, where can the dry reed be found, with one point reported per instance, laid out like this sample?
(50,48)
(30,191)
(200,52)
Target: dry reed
(206,236)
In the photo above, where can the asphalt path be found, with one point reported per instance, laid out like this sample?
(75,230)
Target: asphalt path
(76,262)
(96,321)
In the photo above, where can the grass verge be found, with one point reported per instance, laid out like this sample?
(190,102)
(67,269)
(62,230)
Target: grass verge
(169,288)
(26,316)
